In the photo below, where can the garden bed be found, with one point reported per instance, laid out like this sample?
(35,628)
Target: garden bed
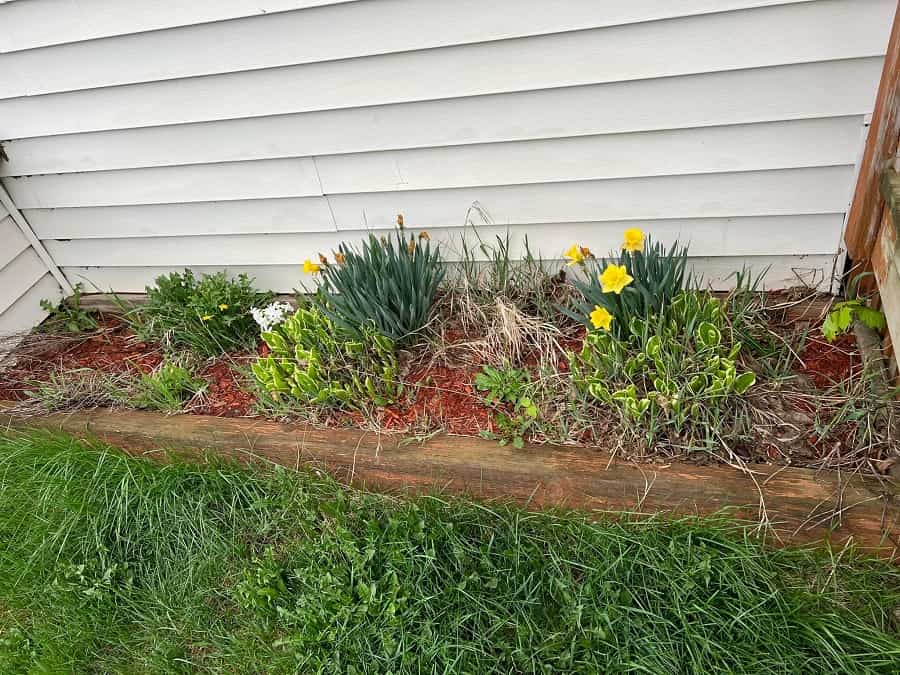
(536,375)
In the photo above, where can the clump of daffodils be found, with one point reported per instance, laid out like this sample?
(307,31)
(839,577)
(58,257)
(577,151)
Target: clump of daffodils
(270,316)
(613,279)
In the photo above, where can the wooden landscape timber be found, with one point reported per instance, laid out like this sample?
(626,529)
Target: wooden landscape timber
(800,505)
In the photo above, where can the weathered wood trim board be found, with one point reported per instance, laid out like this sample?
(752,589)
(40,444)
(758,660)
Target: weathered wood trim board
(800,503)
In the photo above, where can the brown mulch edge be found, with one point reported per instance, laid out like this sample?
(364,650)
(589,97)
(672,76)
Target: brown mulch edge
(801,505)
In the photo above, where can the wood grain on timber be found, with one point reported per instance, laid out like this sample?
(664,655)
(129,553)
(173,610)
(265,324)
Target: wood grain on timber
(800,503)
(881,144)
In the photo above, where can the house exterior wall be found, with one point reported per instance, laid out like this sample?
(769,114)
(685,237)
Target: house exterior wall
(25,280)
(144,137)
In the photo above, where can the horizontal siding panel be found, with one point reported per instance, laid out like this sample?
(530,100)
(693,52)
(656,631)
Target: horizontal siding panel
(708,237)
(26,312)
(778,192)
(570,59)
(14,241)
(784,272)
(714,149)
(781,192)
(47,22)
(18,276)
(681,151)
(785,93)
(309,214)
(236,180)
(375,28)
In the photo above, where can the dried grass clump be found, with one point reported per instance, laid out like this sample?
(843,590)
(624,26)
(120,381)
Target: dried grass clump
(498,333)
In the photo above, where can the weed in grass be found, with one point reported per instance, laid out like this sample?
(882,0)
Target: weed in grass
(218,569)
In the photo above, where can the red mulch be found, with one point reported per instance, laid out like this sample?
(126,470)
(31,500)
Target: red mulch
(113,348)
(444,394)
(224,396)
(825,364)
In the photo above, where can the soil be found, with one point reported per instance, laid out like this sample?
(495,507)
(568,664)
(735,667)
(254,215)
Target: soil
(442,396)
(828,363)
(225,396)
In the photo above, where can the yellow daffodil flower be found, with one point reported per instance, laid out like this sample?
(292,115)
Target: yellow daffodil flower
(206,317)
(309,267)
(223,307)
(615,278)
(577,254)
(601,318)
(634,240)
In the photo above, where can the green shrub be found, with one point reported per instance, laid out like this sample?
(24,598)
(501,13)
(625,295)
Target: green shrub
(666,374)
(166,389)
(315,362)
(656,274)
(390,285)
(209,316)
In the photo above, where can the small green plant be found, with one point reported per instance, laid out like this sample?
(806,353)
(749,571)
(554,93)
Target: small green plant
(854,308)
(508,389)
(166,389)
(673,374)
(503,385)
(389,285)
(640,281)
(262,585)
(68,315)
(844,313)
(96,582)
(209,315)
(312,361)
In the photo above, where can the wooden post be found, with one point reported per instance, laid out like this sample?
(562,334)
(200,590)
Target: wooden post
(864,220)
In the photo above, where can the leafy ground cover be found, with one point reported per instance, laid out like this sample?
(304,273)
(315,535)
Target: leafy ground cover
(115,564)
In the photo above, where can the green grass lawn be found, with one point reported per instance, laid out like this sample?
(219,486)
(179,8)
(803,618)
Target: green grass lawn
(112,564)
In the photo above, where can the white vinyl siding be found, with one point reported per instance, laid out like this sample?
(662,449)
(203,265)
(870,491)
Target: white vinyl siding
(24,281)
(144,137)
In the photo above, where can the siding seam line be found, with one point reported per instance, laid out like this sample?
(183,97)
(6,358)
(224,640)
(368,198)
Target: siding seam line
(322,193)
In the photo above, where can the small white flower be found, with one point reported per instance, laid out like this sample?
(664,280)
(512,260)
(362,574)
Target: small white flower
(270,316)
